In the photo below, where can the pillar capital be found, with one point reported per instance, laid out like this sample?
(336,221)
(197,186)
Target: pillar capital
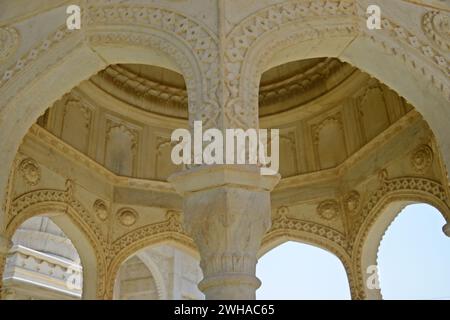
(227,211)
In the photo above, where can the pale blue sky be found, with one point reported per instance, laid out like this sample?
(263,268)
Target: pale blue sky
(413,262)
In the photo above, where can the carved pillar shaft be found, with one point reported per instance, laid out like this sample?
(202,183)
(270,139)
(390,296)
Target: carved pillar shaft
(227,212)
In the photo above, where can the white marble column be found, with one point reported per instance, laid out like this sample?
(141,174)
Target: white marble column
(227,212)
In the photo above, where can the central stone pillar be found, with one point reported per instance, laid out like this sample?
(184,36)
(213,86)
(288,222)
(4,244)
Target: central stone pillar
(227,212)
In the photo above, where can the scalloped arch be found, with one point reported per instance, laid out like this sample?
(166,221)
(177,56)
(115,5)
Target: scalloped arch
(276,240)
(384,212)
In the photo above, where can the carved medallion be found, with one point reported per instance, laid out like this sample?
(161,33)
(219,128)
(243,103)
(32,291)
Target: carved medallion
(436,25)
(9,41)
(127,216)
(422,158)
(383,175)
(100,209)
(351,201)
(328,209)
(30,171)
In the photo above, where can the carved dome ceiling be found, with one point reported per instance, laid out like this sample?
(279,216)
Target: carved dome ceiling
(282,88)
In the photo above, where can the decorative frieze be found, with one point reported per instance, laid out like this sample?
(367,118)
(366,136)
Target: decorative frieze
(284,224)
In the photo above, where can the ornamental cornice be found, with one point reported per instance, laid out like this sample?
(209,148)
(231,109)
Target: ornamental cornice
(143,93)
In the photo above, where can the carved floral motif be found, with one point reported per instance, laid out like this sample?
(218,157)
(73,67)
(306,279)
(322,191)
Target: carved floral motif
(328,209)
(100,209)
(127,217)
(351,201)
(30,171)
(422,158)
(34,53)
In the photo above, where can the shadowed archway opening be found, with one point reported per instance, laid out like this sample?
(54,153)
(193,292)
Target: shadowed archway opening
(299,271)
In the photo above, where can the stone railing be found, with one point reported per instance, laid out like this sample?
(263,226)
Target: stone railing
(37,271)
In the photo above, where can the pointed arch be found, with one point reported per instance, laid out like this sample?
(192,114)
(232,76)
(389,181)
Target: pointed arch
(380,215)
(70,220)
(111,34)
